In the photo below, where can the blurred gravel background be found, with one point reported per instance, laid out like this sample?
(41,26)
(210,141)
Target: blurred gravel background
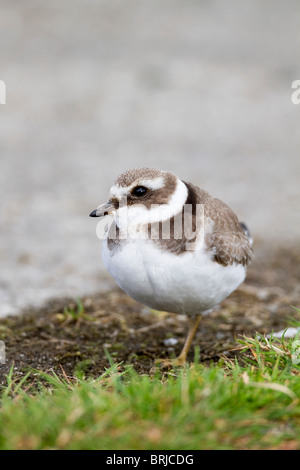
(198,87)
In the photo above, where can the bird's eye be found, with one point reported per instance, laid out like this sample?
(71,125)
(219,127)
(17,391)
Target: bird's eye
(139,191)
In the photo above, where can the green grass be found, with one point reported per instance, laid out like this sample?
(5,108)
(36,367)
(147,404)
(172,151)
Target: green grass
(253,405)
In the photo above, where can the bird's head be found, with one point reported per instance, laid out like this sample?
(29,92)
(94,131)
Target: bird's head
(144,195)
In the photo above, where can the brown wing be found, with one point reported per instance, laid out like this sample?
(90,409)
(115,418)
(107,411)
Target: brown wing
(228,238)
(230,248)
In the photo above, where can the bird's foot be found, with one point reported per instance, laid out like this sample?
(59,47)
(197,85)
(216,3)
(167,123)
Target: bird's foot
(167,363)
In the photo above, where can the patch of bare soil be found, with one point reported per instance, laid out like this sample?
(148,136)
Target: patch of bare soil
(63,336)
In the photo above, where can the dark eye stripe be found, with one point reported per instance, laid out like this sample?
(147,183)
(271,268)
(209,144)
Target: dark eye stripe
(139,191)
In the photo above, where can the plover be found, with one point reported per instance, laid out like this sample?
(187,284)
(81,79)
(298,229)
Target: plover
(172,246)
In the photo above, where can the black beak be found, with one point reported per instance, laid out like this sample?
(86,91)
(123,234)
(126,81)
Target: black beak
(94,213)
(103,210)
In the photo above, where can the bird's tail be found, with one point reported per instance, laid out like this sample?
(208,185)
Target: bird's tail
(246,232)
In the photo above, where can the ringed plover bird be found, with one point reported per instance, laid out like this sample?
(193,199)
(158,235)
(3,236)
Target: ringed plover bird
(172,246)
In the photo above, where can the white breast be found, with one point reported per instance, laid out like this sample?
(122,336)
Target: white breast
(187,283)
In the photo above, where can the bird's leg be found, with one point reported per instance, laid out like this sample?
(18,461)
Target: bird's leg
(181,359)
(194,322)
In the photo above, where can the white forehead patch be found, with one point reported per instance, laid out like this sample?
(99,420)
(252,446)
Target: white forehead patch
(121,191)
(156,183)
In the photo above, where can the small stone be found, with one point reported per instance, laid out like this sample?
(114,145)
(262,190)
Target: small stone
(170,341)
